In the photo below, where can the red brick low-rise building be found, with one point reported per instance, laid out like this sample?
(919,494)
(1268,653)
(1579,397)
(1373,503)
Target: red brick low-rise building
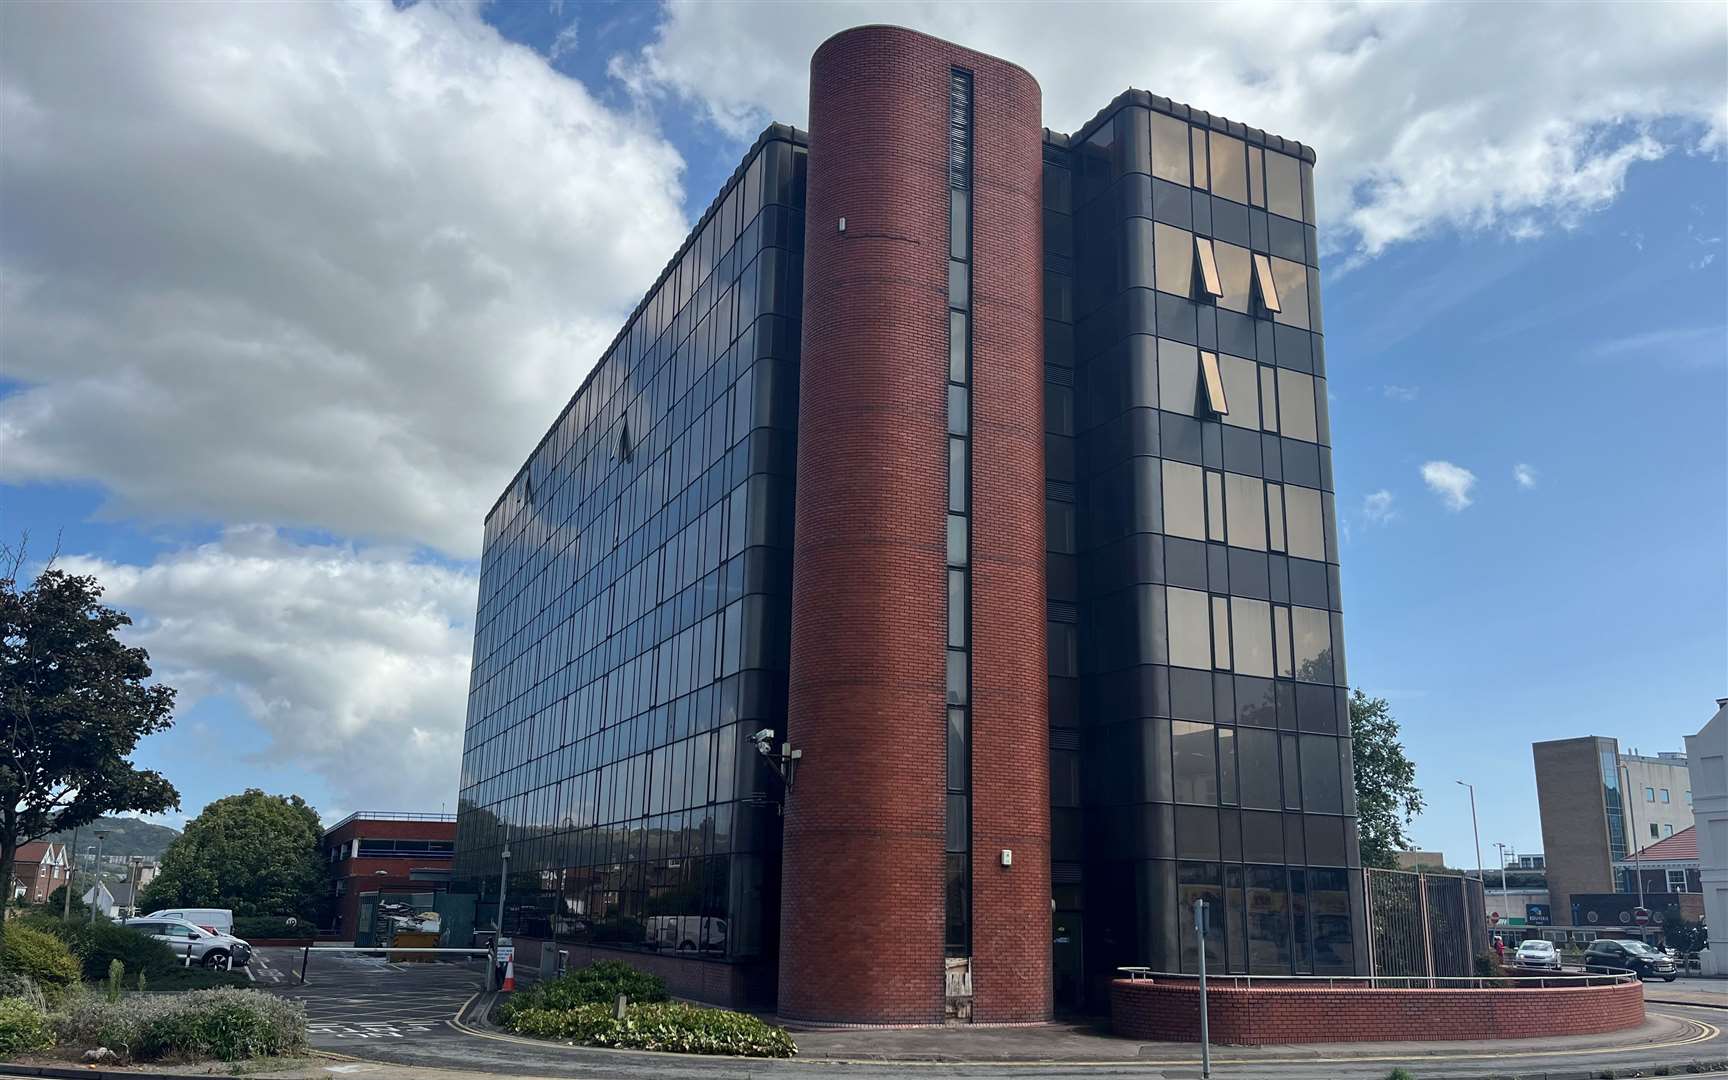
(368,851)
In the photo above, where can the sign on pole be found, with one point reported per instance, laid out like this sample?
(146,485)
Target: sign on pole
(1205,1034)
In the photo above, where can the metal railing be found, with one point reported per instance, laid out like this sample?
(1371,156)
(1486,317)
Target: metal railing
(1390,982)
(373,950)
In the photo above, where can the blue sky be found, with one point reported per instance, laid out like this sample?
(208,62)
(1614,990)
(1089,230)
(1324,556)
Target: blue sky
(276,332)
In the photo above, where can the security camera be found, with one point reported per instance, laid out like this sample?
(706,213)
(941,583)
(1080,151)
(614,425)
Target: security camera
(764,741)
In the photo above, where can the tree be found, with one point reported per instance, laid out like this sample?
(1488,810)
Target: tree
(254,853)
(1681,934)
(1387,799)
(74,701)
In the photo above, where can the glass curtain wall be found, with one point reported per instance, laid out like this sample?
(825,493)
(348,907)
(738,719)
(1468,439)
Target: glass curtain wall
(1212,681)
(634,599)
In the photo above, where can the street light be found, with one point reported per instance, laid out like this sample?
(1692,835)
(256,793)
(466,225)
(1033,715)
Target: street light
(96,890)
(1505,894)
(503,883)
(1473,833)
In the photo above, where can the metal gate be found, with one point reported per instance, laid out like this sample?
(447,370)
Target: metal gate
(1423,924)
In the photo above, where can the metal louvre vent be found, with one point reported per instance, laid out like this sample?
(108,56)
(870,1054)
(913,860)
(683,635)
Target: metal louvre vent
(1061,376)
(1064,873)
(959,130)
(1064,738)
(1060,490)
(1063,612)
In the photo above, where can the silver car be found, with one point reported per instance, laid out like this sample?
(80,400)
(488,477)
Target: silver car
(185,938)
(1537,953)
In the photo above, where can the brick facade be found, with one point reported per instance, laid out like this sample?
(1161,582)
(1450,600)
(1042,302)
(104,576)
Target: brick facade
(1249,1016)
(862,902)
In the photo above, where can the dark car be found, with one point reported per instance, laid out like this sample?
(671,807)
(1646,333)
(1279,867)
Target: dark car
(1633,956)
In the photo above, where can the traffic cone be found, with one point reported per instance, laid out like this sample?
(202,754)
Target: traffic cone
(509,975)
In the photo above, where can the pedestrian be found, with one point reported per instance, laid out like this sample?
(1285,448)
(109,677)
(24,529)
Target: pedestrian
(1500,947)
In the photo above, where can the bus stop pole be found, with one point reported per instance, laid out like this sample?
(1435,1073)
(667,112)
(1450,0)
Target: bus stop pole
(1205,1034)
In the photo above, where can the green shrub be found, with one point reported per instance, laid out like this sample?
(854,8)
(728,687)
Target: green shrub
(227,1024)
(1489,967)
(98,944)
(670,1026)
(598,983)
(116,972)
(13,985)
(248,927)
(24,1028)
(41,957)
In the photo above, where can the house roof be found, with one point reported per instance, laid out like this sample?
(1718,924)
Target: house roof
(1681,847)
(37,850)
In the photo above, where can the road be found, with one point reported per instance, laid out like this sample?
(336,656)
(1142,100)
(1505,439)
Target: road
(404,1014)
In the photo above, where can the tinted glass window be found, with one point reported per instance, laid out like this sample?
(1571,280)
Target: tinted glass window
(1178,377)
(1283,185)
(1235,273)
(1173,254)
(1229,169)
(1241,389)
(1190,634)
(1246,509)
(1184,501)
(1321,790)
(1268,921)
(1313,644)
(1292,281)
(1170,149)
(1304,532)
(1251,631)
(1194,762)
(1296,405)
(1257,767)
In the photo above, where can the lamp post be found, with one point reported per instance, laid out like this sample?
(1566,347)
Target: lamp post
(71,876)
(96,889)
(1505,894)
(1632,842)
(503,883)
(1473,833)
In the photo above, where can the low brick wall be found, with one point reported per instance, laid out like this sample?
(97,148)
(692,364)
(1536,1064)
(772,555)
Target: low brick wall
(714,982)
(1169,1011)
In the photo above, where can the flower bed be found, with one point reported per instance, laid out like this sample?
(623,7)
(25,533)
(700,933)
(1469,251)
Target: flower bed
(670,1026)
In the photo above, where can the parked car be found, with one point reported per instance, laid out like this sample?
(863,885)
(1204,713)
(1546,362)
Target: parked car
(215,920)
(208,949)
(1608,956)
(1537,953)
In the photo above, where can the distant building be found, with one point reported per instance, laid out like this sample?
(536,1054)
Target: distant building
(100,897)
(1599,806)
(369,851)
(1707,756)
(1668,867)
(38,869)
(1420,860)
(1515,861)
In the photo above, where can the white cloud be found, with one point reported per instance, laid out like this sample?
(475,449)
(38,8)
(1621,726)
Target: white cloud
(1377,507)
(1423,115)
(1525,475)
(1401,393)
(318,264)
(355,662)
(1452,483)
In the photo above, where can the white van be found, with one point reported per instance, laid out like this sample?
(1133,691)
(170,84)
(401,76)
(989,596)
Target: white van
(216,920)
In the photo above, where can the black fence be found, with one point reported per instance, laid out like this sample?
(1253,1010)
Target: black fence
(1424,924)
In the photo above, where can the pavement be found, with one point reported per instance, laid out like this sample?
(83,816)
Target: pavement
(399,1021)
(1692,990)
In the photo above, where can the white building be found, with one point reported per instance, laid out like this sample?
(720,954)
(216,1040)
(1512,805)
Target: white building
(1707,753)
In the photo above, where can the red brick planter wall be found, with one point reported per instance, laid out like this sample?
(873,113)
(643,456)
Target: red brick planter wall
(1170,1012)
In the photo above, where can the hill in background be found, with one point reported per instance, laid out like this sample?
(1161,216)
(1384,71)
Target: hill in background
(126,836)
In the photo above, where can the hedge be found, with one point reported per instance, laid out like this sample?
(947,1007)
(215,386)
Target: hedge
(667,1026)
(598,983)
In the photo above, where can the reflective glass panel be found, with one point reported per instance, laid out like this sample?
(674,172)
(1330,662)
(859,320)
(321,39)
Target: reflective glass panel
(1251,631)
(1173,259)
(1241,390)
(1210,283)
(957,346)
(1178,377)
(1198,142)
(957,475)
(1292,281)
(1296,405)
(1221,633)
(1302,519)
(1246,511)
(1213,381)
(1229,171)
(1235,268)
(1190,636)
(1194,763)
(956,540)
(957,224)
(1184,501)
(1268,399)
(1169,149)
(958,292)
(957,609)
(1312,641)
(1275,517)
(1281,640)
(1283,185)
(1215,506)
(1264,287)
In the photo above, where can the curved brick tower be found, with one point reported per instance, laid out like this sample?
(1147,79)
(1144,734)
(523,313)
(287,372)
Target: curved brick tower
(873,825)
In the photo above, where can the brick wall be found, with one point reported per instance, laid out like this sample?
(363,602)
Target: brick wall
(862,880)
(1243,1016)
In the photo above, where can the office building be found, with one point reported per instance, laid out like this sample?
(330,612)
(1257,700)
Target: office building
(985,472)
(1600,807)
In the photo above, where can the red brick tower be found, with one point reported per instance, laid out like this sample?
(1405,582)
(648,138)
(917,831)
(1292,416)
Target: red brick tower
(863,888)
